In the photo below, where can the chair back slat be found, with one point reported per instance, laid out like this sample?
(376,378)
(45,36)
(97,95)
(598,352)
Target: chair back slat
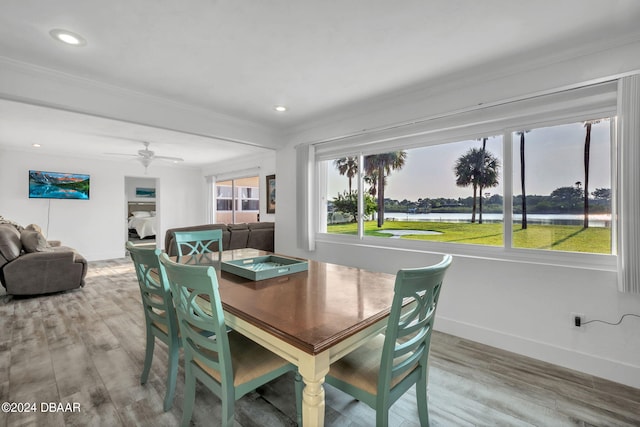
(198,242)
(408,363)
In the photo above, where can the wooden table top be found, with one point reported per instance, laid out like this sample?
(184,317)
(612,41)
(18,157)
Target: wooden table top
(311,310)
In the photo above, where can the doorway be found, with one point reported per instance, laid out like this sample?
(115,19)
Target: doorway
(142,208)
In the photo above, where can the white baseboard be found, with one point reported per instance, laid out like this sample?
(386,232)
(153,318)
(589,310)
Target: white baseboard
(612,370)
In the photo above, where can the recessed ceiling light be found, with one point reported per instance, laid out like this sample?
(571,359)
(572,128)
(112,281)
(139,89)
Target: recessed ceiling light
(280,108)
(68,37)
(36,145)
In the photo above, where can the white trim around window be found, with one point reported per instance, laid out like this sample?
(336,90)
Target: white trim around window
(502,119)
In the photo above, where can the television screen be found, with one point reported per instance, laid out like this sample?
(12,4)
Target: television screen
(57,185)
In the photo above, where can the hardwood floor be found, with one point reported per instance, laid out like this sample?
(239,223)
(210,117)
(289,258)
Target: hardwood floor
(87,347)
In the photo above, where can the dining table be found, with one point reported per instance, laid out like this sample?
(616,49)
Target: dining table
(310,318)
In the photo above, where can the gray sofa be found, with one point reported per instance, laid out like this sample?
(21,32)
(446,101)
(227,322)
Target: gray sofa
(29,265)
(257,235)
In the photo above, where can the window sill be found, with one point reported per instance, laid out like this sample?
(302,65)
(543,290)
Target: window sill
(589,261)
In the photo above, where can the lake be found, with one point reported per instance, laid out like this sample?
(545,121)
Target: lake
(51,191)
(599,220)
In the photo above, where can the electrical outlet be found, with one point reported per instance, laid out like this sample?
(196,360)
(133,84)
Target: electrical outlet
(577,320)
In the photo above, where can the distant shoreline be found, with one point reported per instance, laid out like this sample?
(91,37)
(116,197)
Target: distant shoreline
(595,220)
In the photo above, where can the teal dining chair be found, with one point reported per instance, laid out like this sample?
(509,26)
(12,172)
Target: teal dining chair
(227,363)
(379,372)
(160,317)
(199,242)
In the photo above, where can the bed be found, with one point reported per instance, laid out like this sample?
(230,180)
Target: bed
(142,220)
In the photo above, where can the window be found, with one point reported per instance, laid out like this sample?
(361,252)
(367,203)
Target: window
(563,199)
(342,195)
(238,200)
(461,180)
(224,200)
(425,197)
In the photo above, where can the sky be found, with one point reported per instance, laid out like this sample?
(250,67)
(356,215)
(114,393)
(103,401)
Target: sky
(553,158)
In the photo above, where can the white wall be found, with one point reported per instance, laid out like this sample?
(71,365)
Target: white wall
(131,183)
(96,227)
(519,306)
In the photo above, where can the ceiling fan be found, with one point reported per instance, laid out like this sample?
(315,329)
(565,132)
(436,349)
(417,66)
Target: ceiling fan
(147,156)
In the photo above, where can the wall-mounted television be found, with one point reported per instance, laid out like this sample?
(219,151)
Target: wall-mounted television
(58,185)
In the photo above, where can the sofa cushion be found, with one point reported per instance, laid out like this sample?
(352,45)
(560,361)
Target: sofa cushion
(261,236)
(10,245)
(239,236)
(34,241)
(261,225)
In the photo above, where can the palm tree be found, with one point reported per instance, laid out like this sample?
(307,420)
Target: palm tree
(371,179)
(587,155)
(383,164)
(524,193)
(484,147)
(479,169)
(347,166)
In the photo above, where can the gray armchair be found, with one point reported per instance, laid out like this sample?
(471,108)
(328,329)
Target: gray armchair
(29,265)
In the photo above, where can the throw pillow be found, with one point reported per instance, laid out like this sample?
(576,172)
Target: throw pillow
(34,227)
(140,214)
(33,241)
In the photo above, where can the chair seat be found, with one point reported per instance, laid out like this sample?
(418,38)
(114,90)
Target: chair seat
(361,367)
(162,326)
(249,360)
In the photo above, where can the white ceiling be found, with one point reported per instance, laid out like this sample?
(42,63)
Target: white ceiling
(240,58)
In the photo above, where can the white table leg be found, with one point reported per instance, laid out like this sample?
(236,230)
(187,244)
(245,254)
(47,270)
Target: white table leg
(313,369)
(313,403)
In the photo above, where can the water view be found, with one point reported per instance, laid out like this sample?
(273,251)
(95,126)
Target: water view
(559,176)
(55,192)
(596,220)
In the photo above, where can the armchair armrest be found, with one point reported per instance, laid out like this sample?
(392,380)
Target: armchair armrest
(45,272)
(42,257)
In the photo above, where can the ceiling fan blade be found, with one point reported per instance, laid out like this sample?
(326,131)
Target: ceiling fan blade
(146,156)
(174,159)
(121,154)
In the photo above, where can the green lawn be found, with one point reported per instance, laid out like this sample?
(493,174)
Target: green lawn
(551,237)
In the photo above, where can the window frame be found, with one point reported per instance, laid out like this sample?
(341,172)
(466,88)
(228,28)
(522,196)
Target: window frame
(543,117)
(237,197)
